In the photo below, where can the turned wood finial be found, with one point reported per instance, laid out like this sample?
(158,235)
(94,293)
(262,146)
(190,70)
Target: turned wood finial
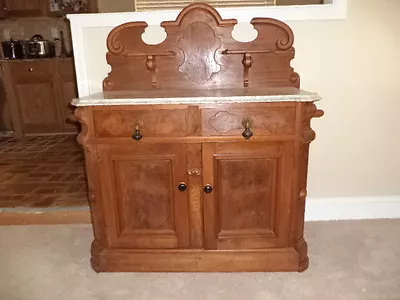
(247,62)
(151,65)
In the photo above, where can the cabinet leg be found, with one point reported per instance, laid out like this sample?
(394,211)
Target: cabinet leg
(302,249)
(94,260)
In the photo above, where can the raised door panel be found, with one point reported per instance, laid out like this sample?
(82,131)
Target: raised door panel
(25,8)
(249,205)
(38,107)
(143,206)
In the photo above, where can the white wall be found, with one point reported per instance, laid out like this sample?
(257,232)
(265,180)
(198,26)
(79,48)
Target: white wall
(354,65)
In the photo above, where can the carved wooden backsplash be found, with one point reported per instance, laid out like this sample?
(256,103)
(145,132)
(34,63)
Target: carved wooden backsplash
(200,52)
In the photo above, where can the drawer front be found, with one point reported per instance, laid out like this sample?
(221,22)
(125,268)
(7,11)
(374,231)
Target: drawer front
(261,120)
(31,70)
(152,123)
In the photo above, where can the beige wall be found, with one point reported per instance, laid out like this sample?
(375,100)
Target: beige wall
(115,5)
(354,65)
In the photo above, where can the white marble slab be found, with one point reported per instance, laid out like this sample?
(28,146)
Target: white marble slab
(212,96)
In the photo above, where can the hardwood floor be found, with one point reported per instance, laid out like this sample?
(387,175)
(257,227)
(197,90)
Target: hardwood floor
(42,174)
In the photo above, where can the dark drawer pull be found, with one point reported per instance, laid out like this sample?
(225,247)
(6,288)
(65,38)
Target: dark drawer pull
(208,189)
(137,135)
(182,187)
(247,133)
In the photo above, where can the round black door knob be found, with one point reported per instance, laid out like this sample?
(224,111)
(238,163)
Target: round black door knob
(182,187)
(208,189)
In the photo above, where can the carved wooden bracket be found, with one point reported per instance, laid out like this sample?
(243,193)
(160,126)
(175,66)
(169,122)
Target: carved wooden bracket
(247,62)
(81,115)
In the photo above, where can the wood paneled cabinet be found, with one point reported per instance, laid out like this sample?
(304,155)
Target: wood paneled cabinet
(38,94)
(183,188)
(42,8)
(34,90)
(24,8)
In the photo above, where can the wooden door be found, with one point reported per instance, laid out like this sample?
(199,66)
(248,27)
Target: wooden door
(37,96)
(25,8)
(249,205)
(143,205)
(38,107)
(68,91)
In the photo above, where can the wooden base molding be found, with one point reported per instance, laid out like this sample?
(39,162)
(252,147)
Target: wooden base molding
(263,260)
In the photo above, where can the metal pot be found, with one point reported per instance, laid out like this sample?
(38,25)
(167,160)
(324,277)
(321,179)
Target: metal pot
(13,49)
(38,47)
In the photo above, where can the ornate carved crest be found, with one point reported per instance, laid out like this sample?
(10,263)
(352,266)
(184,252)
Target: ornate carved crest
(199,52)
(199,45)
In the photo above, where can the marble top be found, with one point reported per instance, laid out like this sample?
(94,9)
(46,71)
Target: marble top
(210,96)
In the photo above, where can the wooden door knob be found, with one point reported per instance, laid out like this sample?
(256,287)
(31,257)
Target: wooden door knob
(182,187)
(208,189)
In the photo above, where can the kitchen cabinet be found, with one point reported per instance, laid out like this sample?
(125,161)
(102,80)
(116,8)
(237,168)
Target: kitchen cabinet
(5,113)
(34,88)
(24,8)
(38,93)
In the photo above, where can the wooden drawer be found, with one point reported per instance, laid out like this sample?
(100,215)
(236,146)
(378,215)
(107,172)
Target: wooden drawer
(30,71)
(265,119)
(152,122)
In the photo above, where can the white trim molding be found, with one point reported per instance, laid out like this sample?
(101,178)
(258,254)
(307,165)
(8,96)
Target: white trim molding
(353,208)
(79,22)
(330,11)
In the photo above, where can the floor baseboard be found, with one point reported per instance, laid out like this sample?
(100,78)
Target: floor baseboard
(353,208)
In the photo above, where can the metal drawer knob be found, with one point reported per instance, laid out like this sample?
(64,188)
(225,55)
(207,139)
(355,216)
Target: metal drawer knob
(30,69)
(137,135)
(182,187)
(208,189)
(247,133)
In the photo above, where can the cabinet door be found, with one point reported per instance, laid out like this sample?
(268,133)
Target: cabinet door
(25,8)
(68,91)
(37,97)
(38,107)
(249,205)
(142,203)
